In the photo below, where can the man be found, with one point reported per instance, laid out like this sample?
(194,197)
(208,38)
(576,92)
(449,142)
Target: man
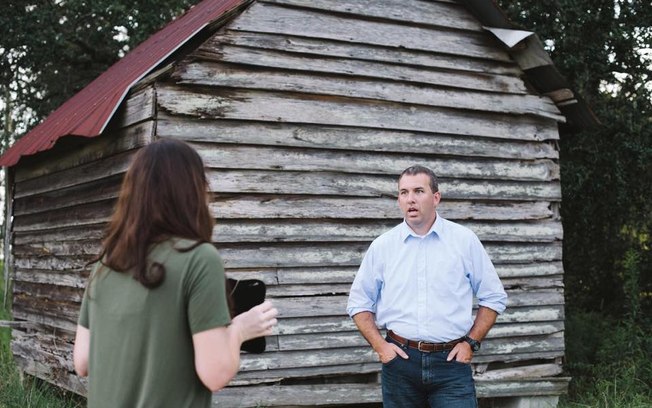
(418,281)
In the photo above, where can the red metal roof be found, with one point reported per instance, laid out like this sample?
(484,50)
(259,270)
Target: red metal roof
(89,111)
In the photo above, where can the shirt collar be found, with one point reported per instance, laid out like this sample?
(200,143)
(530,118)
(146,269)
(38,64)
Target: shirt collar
(436,228)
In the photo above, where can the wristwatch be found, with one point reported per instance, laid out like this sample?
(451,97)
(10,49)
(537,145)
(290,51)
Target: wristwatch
(475,345)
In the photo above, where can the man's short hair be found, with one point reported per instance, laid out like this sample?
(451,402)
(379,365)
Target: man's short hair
(417,169)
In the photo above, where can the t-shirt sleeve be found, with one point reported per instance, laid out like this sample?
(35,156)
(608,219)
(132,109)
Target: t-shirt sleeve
(83,312)
(84,315)
(206,290)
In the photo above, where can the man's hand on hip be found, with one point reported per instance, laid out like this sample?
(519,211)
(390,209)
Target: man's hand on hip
(461,353)
(388,351)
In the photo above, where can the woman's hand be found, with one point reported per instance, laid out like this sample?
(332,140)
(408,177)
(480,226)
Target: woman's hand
(256,322)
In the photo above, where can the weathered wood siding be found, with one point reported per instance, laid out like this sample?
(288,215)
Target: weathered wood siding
(305,112)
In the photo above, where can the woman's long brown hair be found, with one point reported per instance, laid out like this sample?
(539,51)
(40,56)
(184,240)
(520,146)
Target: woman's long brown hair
(163,195)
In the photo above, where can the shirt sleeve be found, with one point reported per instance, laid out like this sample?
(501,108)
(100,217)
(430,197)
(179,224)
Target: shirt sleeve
(84,314)
(484,279)
(206,290)
(365,290)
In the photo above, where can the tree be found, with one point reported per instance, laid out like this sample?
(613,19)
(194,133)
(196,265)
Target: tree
(604,49)
(51,49)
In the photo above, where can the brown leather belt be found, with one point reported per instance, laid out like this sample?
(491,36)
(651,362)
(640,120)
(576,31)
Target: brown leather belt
(422,345)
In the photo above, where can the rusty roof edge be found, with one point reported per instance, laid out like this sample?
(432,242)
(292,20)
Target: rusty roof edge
(535,61)
(147,72)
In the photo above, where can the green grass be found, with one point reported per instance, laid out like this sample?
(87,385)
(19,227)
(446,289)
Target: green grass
(610,362)
(31,392)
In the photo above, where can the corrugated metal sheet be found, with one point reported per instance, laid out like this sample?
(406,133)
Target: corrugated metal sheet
(88,112)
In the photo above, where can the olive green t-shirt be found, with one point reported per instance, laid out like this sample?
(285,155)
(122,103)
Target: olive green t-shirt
(141,350)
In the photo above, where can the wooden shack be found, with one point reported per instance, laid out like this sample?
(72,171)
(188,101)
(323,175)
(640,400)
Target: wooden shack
(305,112)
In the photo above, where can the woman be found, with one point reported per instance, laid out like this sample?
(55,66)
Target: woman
(154,328)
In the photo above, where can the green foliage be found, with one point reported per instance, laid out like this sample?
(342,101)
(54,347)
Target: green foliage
(609,361)
(49,50)
(606,173)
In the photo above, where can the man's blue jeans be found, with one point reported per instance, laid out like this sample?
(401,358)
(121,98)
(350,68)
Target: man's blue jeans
(427,380)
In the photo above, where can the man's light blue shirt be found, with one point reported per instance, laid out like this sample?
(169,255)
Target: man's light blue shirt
(422,287)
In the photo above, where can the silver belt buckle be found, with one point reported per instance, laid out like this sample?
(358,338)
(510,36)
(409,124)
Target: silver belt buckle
(419,347)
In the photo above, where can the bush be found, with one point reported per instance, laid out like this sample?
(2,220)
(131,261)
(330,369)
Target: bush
(609,361)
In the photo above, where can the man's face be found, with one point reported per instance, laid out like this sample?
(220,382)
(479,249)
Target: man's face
(417,202)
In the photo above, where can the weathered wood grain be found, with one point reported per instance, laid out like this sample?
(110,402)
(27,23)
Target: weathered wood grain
(337,50)
(89,172)
(307,395)
(80,233)
(78,195)
(444,95)
(407,11)
(323,231)
(343,138)
(293,159)
(358,68)
(343,184)
(85,214)
(75,254)
(274,107)
(138,107)
(270,18)
(88,150)
(226,206)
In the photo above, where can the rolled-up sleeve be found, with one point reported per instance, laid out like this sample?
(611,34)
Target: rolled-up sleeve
(485,281)
(366,286)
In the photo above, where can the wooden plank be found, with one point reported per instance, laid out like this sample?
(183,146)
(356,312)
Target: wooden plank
(275,360)
(342,138)
(252,206)
(517,373)
(506,327)
(490,346)
(314,47)
(81,215)
(84,173)
(66,319)
(445,95)
(71,255)
(530,283)
(274,107)
(313,160)
(276,376)
(310,289)
(38,213)
(353,67)
(48,357)
(73,279)
(352,393)
(411,12)
(291,255)
(332,231)
(346,274)
(80,233)
(84,150)
(78,195)
(523,387)
(138,107)
(269,18)
(336,305)
(343,184)
(48,291)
